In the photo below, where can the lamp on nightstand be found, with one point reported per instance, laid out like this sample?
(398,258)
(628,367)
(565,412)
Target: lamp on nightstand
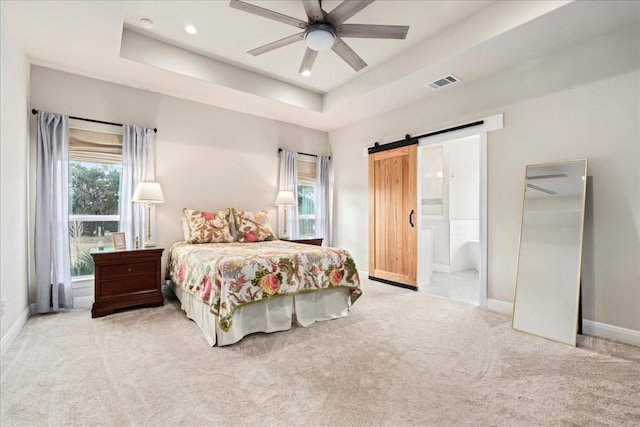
(285,198)
(148,192)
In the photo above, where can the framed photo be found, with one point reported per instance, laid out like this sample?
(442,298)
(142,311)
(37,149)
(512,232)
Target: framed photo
(119,241)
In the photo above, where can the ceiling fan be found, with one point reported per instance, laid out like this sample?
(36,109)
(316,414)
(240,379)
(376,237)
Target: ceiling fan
(324,30)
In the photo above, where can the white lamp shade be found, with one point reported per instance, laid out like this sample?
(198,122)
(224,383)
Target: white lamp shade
(285,198)
(147,191)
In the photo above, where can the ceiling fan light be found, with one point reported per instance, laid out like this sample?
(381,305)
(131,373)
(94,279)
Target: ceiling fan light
(319,37)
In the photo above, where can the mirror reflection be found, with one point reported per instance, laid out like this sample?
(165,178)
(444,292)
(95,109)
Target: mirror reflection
(549,258)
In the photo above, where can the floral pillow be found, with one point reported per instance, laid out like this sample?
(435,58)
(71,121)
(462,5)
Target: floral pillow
(206,227)
(252,226)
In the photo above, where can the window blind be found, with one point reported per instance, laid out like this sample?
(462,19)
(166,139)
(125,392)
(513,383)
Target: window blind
(306,172)
(94,147)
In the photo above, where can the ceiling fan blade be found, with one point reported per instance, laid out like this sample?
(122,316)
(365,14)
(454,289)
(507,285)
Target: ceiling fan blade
(266,13)
(348,55)
(308,60)
(276,44)
(346,10)
(373,31)
(314,10)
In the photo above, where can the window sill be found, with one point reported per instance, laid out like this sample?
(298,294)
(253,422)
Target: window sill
(82,282)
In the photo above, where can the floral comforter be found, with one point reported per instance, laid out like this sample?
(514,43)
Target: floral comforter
(229,275)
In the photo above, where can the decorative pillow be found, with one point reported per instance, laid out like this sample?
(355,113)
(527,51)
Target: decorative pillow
(206,227)
(252,226)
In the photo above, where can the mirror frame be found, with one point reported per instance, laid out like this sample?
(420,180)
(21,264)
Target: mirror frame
(578,284)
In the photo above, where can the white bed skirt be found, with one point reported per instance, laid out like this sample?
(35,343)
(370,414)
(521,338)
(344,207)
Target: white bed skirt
(272,315)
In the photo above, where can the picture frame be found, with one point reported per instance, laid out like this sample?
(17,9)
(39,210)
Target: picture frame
(119,241)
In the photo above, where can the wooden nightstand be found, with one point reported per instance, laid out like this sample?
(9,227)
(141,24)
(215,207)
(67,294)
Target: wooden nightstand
(317,241)
(126,278)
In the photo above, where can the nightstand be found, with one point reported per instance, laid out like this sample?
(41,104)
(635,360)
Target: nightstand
(126,278)
(316,241)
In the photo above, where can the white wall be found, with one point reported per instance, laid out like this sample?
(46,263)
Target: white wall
(206,157)
(14,137)
(464,179)
(579,102)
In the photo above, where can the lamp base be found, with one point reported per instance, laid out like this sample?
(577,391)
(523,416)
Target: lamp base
(149,244)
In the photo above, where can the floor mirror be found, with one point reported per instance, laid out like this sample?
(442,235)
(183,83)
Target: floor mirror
(547,293)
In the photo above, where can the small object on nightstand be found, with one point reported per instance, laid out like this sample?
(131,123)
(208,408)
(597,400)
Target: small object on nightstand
(101,245)
(137,244)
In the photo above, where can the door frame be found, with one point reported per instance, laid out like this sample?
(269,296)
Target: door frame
(491,123)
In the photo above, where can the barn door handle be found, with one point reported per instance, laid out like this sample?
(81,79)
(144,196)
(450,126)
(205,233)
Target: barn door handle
(411,218)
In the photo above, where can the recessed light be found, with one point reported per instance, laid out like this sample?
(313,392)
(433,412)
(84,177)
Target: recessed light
(146,22)
(306,73)
(190,29)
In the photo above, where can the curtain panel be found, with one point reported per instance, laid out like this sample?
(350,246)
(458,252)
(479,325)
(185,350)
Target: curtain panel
(322,200)
(288,180)
(137,165)
(52,253)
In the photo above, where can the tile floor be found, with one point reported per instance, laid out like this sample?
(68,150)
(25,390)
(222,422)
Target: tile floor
(459,286)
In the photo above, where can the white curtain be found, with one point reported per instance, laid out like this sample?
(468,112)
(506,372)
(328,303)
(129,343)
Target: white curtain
(322,200)
(289,181)
(137,165)
(52,253)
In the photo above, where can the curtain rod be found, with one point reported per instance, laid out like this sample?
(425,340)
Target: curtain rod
(34,112)
(412,140)
(304,154)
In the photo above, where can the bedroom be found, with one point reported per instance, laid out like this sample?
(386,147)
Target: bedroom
(579,101)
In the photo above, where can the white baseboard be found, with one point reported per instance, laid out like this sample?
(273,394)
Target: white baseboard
(82,302)
(441,268)
(616,333)
(14,331)
(589,327)
(499,306)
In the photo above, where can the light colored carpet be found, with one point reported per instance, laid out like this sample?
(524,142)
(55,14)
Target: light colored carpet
(400,358)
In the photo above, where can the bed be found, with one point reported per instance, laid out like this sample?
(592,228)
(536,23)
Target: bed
(235,288)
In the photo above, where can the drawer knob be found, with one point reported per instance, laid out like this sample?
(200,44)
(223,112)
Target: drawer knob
(129,269)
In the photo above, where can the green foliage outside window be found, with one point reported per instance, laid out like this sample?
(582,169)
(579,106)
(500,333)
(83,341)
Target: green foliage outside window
(307,210)
(306,200)
(93,190)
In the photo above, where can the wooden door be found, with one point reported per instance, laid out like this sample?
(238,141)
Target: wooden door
(393,227)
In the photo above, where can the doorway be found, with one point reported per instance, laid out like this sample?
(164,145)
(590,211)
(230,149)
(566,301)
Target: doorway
(449,199)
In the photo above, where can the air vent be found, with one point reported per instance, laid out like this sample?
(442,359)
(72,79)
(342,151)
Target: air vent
(442,82)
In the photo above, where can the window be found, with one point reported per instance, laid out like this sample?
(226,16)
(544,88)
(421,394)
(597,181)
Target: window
(307,198)
(95,166)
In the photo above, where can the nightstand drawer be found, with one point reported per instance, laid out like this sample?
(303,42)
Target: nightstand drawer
(132,269)
(127,285)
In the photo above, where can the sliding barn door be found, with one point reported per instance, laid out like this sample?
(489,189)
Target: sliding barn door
(393,227)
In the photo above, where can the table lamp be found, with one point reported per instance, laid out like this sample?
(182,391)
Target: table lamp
(148,192)
(285,198)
